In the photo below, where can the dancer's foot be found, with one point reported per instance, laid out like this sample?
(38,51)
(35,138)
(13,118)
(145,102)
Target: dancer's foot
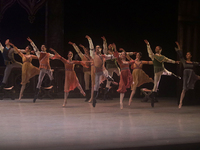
(94,102)
(180,105)
(20,96)
(121,105)
(64,105)
(83,93)
(129,102)
(90,100)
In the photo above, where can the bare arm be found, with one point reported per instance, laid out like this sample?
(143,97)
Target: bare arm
(16,50)
(77,50)
(169,60)
(147,62)
(105,46)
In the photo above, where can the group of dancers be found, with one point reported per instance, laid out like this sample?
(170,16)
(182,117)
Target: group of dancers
(98,67)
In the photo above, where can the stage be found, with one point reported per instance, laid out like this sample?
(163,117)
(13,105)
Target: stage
(47,125)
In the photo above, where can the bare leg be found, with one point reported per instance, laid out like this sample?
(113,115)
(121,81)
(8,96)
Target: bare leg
(92,94)
(21,91)
(181,98)
(121,100)
(131,96)
(65,98)
(81,90)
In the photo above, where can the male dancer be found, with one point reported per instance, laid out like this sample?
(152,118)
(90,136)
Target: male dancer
(100,70)
(45,68)
(159,69)
(87,71)
(9,60)
(111,65)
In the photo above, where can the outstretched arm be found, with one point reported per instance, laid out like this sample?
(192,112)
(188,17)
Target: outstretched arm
(57,56)
(149,50)
(36,50)
(105,46)
(17,50)
(77,49)
(147,62)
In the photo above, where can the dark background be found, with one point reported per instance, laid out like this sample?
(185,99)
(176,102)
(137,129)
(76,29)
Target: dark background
(126,23)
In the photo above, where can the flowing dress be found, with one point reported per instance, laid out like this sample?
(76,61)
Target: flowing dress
(139,76)
(189,76)
(28,70)
(71,80)
(126,78)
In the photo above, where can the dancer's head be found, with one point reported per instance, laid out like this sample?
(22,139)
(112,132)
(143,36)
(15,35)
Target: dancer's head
(7,42)
(188,55)
(123,55)
(70,55)
(110,49)
(43,48)
(28,49)
(139,55)
(98,49)
(158,49)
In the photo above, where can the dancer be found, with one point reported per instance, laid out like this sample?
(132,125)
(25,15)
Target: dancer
(111,65)
(28,70)
(87,71)
(139,76)
(100,70)
(126,78)
(9,61)
(159,69)
(71,81)
(189,76)
(45,68)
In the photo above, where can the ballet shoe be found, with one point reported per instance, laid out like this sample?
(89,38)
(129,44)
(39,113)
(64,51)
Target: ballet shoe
(83,93)
(180,105)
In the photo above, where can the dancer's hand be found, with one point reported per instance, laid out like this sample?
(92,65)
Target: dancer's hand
(103,37)
(29,39)
(70,43)
(33,52)
(178,45)
(177,62)
(147,42)
(81,45)
(87,37)
(51,49)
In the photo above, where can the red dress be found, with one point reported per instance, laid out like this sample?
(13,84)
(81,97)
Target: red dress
(126,78)
(71,80)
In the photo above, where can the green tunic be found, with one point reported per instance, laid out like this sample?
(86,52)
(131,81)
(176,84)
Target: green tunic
(158,63)
(112,63)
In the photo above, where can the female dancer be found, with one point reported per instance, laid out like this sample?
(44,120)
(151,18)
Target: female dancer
(28,70)
(189,76)
(126,78)
(71,81)
(139,76)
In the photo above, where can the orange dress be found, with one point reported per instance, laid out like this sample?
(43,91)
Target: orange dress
(71,80)
(139,76)
(126,78)
(28,70)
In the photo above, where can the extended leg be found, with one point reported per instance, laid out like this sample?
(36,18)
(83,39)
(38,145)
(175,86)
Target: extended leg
(181,98)
(21,91)
(65,98)
(121,100)
(131,96)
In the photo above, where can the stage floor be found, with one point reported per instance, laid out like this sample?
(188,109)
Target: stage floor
(47,125)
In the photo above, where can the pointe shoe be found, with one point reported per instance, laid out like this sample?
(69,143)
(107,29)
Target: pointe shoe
(90,101)
(129,102)
(121,105)
(20,97)
(180,105)
(64,105)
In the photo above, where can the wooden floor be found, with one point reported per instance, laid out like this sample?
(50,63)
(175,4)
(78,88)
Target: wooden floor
(47,125)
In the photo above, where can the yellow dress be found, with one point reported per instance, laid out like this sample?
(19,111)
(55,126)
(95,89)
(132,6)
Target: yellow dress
(139,76)
(28,70)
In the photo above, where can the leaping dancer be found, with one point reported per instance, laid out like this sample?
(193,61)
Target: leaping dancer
(159,69)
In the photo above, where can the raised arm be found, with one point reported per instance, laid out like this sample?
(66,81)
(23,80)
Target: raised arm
(1,47)
(17,50)
(57,56)
(149,50)
(77,49)
(105,46)
(91,46)
(36,50)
